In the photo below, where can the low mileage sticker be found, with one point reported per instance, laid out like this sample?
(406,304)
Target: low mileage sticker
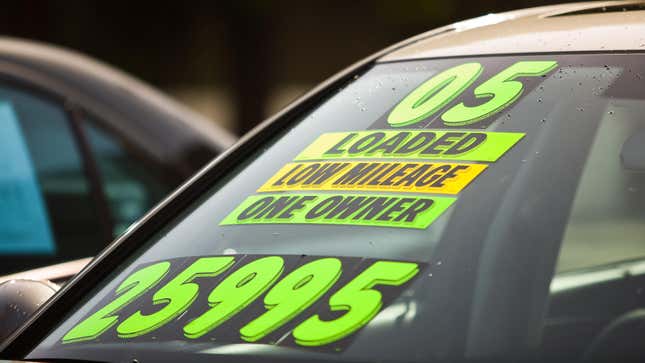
(279,300)
(418,177)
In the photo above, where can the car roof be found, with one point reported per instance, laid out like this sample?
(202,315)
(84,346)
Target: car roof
(575,27)
(139,110)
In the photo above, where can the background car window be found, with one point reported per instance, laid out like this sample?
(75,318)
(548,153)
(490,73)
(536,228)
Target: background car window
(130,186)
(24,225)
(67,223)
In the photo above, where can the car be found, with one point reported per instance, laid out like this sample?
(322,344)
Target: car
(85,151)
(475,193)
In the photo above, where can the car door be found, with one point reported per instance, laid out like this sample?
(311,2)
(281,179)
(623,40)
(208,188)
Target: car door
(70,184)
(49,208)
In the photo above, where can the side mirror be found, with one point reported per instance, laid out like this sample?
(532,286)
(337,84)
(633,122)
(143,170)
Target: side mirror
(632,154)
(19,299)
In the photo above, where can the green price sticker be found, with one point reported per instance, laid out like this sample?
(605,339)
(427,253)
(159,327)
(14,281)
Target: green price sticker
(292,295)
(129,290)
(235,293)
(259,297)
(176,296)
(359,301)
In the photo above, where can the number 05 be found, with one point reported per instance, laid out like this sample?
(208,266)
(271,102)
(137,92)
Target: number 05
(501,90)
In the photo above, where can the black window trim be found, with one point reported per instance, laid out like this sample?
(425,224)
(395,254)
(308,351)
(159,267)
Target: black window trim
(91,170)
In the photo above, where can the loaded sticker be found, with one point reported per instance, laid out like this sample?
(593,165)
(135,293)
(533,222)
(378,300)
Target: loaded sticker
(404,211)
(411,144)
(419,177)
(300,301)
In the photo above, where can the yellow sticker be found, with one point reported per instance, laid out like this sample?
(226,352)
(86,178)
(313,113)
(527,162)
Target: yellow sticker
(419,177)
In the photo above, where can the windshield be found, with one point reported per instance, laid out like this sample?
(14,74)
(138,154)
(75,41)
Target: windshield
(421,212)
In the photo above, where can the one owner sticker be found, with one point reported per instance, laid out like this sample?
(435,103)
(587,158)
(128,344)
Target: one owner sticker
(379,210)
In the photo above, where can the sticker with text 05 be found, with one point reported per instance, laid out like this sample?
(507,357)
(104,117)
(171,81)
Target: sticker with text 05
(498,92)
(305,301)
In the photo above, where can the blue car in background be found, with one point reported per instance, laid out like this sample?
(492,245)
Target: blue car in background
(85,150)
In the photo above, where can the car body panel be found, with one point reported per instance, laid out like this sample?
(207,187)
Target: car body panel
(152,121)
(58,273)
(543,29)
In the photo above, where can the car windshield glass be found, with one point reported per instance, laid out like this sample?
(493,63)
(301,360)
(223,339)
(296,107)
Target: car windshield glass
(420,212)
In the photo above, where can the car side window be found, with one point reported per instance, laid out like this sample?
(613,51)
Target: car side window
(47,211)
(131,187)
(606,221)
(596,303)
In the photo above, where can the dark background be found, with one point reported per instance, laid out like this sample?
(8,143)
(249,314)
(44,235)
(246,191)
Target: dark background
(237,62)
